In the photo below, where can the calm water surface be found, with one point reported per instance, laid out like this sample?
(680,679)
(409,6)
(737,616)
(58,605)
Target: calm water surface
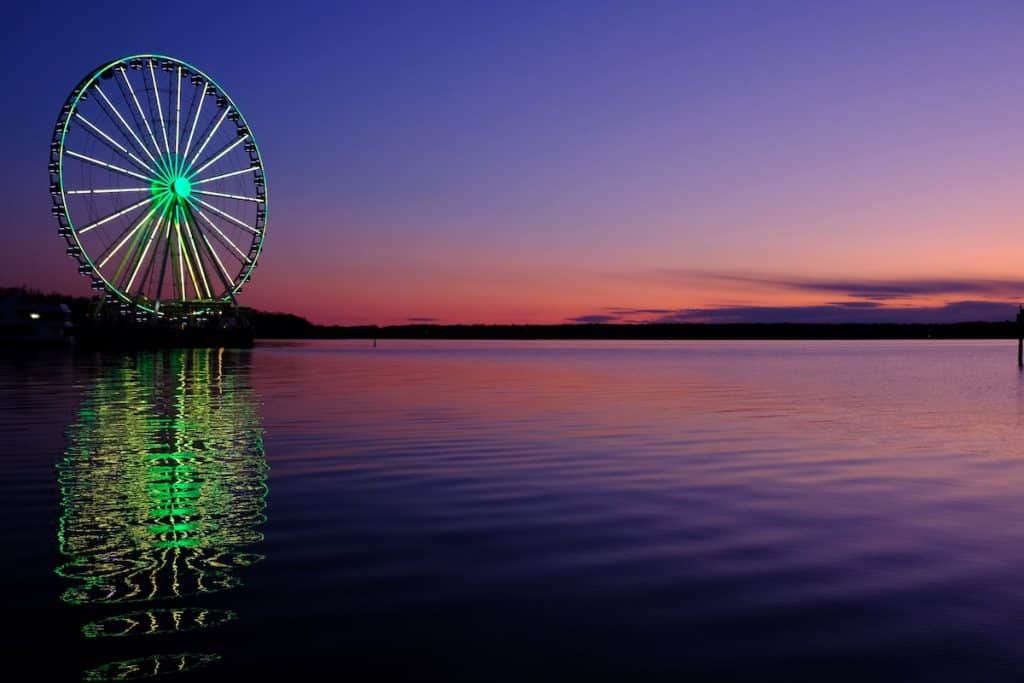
(517,511)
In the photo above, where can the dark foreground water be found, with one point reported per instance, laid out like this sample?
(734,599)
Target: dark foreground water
(516,511)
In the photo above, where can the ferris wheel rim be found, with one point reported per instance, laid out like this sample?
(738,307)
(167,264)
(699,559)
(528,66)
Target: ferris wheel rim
(187,173)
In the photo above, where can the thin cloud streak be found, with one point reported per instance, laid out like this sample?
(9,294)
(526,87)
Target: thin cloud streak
(596,319)
(840,312)
(868,289)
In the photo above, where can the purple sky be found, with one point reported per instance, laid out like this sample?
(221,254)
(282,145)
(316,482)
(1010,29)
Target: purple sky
(554,161)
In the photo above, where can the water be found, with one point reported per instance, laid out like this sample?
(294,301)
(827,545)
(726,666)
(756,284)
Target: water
(517,511)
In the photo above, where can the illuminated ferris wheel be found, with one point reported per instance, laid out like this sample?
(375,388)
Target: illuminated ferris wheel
(158,186)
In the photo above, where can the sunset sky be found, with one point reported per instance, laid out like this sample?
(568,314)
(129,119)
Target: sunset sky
(558,161)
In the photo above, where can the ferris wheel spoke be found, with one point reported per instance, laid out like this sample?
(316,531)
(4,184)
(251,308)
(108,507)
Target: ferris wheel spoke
(159,107)
(124,237)
(147,272)
(222,272)
(195,253)
(163,266)
(209,137)
(183,247)
(225,214)
(211,253)
(219,155)
(145,250)
(183,258)
(177,267)
(239,197)
(195,256)
(112,190)
(117,214)
(106,165)
(187,242)
(145,282)
(114,144)
(124,266)
(177,272)
(142,115)
(177,118)
(225,239)
(224,175)
(192,132)
(131,131)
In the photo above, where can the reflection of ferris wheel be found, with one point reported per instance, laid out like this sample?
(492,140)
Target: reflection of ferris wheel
(158,185)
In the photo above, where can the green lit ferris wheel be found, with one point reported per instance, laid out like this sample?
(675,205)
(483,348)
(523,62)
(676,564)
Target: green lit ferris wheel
(158,186)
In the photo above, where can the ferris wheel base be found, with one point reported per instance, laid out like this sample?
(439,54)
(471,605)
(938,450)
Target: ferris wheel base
(111,329)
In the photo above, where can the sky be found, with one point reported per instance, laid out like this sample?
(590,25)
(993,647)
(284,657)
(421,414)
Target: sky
(544,162)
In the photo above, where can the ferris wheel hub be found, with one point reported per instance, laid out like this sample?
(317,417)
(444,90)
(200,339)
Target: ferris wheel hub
(181,187)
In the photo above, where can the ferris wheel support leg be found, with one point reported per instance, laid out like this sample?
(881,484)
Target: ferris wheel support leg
(163,269)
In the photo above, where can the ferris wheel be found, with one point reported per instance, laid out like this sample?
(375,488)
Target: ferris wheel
(158,186)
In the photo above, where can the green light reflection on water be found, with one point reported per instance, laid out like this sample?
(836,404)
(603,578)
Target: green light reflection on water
(165,471)
(162,490)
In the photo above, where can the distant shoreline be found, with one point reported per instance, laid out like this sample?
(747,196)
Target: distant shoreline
(266,329)
(266,325)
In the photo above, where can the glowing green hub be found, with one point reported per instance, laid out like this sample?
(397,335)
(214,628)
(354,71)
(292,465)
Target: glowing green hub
(181,187)
(172,184)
